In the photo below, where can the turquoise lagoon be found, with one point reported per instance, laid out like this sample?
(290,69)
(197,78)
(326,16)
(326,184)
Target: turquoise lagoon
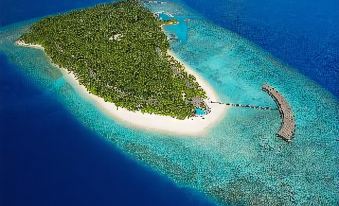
(240,161)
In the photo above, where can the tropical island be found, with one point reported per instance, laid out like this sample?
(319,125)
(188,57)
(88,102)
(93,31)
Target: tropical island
(120,53)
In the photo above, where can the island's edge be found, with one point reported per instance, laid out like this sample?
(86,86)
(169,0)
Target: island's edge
(194,126)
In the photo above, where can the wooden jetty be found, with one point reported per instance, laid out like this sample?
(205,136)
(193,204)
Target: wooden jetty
(287,128)
(244,106)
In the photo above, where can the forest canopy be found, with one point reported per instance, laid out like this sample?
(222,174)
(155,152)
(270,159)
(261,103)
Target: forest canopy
(119,52)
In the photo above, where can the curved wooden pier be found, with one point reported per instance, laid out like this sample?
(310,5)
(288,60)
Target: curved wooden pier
(288,125)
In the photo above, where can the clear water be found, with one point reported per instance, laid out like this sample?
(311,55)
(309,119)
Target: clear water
(164,16)
(179,31)
(199,112)
(240,161)
(47,157)
(301,33)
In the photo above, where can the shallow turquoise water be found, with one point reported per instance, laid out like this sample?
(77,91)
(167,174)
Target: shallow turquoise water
(199,112)
(240,161)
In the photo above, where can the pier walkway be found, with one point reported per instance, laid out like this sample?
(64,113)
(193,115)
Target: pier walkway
(288,125)
(245,106)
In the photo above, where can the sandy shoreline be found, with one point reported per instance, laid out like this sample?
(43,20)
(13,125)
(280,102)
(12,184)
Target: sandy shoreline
(195,126)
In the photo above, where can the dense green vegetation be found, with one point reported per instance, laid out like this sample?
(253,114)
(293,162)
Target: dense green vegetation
(119,52)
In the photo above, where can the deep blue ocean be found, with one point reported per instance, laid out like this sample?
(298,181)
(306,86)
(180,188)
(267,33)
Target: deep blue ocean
(49,157)
(303,34)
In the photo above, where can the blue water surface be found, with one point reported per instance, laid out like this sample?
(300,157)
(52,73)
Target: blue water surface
(199,111)
(54,138)
(48,158)
(179,30)
(19,10)
(301,33)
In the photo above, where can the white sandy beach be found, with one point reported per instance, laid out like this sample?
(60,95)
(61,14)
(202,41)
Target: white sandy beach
(195,126)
